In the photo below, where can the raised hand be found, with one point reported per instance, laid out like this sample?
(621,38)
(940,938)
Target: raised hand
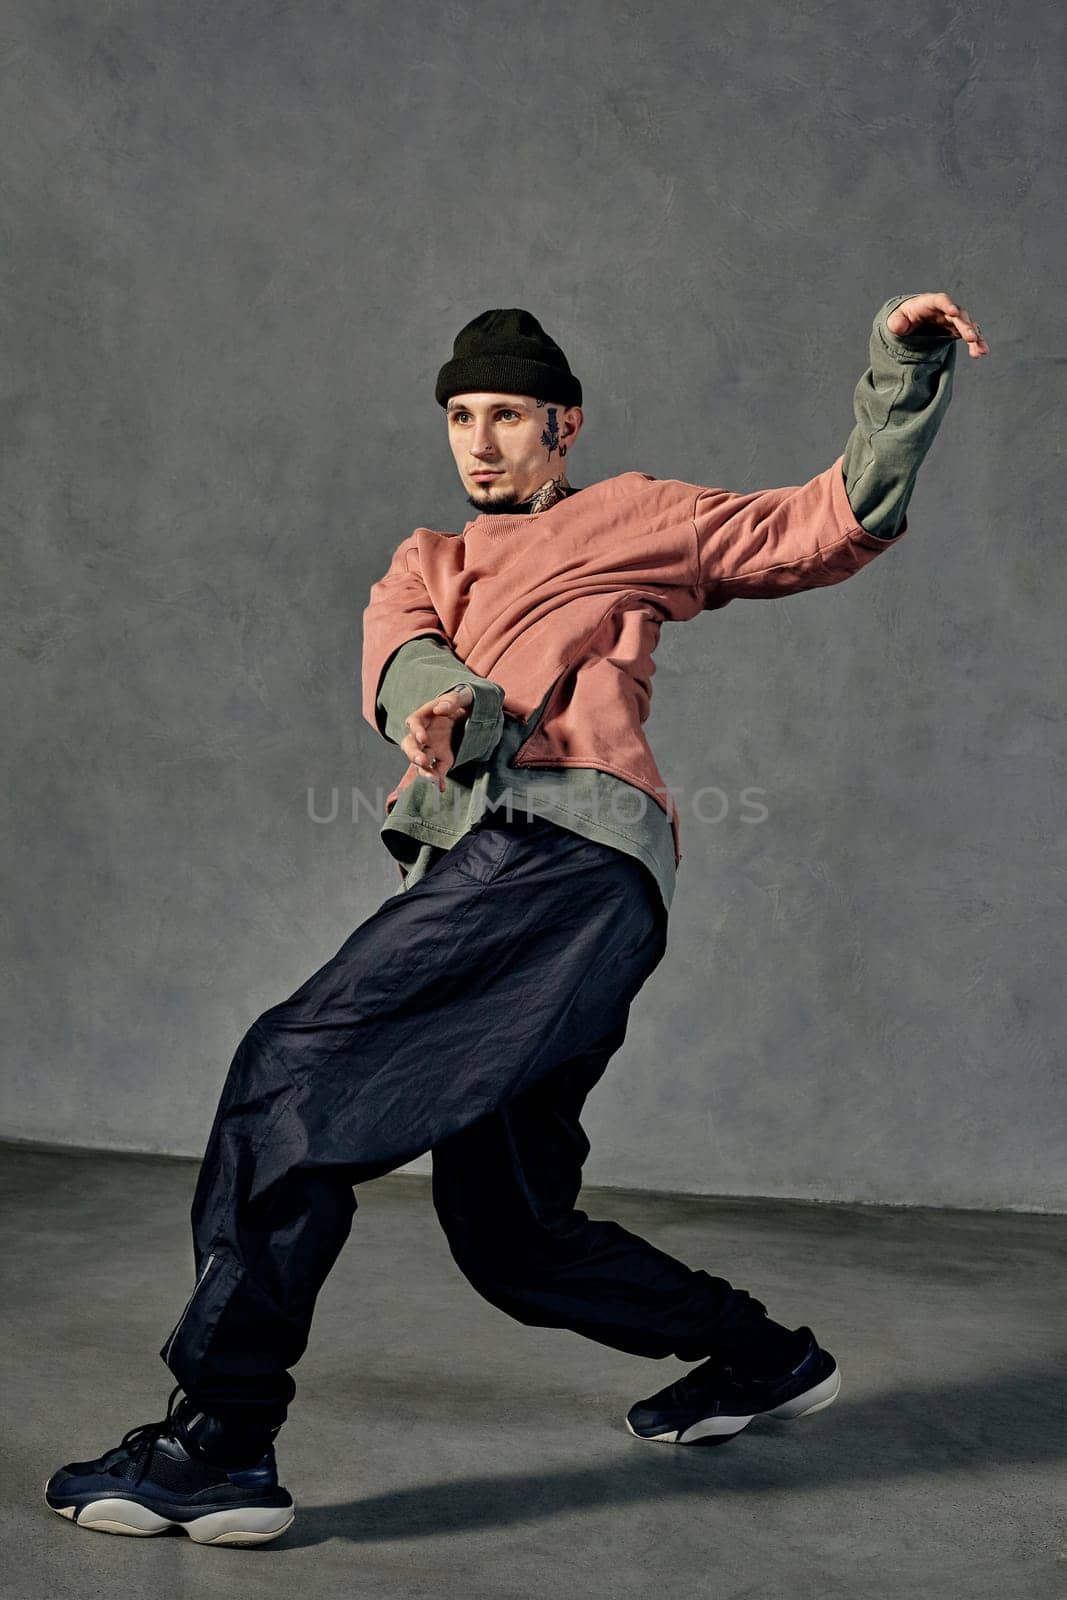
(428,742)
(937,313)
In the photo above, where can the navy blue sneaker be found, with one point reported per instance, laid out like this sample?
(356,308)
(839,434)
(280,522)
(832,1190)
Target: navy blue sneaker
(161,1476)
(713,1402)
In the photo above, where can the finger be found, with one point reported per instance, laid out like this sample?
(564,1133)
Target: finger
(957,314)
(434,771)
(433,759)
(429,767)
(958,321)
(925,305)
(421,755)
(970,331)
(940,303)
(448,708)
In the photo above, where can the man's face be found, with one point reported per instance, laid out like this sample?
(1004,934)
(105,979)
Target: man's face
(522,441)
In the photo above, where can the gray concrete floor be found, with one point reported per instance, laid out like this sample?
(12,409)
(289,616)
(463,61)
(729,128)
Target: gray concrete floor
(437,1448)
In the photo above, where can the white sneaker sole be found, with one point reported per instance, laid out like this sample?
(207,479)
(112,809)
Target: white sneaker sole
(804,1405)
(824,1394)
(243,1525)
(722,1428)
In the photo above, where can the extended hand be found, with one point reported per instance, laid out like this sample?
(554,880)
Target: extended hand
(428,743)
(937,313)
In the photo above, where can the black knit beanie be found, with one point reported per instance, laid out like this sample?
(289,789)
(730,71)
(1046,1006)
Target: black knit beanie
(507,352)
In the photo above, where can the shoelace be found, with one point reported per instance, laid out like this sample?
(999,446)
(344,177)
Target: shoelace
(141,1441)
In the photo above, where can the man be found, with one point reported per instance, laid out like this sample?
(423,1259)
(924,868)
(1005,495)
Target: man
(472,1013)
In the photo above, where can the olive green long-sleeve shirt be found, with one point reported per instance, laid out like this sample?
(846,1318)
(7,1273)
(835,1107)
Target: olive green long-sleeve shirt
(898,404)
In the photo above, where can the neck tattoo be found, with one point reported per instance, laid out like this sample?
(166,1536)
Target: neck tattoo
(555,489)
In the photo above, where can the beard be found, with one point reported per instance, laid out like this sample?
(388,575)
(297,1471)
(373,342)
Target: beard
(506,505)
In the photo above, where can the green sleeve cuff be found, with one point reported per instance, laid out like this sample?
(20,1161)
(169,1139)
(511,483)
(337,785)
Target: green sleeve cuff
(484,724)
(422,669)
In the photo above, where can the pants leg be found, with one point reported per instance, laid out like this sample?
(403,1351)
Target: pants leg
(505,1188)
(517,951)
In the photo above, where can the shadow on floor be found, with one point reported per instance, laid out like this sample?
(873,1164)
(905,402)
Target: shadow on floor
(1012,1419)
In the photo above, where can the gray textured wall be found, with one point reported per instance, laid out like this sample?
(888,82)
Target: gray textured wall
(238,242)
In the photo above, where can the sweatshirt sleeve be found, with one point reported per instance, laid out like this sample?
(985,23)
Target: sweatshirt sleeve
(418,672)
(398,609)
(899,404)
(775,542)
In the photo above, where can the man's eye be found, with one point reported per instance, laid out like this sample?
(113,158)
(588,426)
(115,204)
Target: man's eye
(504,411)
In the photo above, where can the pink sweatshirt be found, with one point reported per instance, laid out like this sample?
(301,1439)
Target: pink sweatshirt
(576,596)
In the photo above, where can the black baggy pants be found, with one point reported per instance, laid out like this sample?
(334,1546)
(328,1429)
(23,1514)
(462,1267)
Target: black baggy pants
(469,1015)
